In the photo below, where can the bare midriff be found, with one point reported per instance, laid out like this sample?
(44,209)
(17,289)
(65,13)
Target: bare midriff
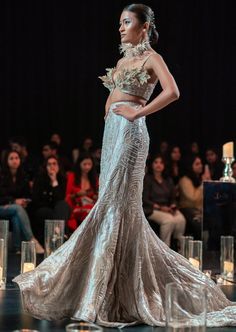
(118,96)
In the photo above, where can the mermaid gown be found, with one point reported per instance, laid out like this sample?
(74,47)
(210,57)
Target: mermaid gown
(113,270)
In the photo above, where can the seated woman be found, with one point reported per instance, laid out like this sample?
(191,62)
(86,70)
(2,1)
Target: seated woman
(49,192)
(191,195)
(159,202)
(175,164)
(14,198)
(82,190)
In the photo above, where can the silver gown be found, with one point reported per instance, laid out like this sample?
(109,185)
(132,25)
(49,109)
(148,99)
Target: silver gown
(113,270)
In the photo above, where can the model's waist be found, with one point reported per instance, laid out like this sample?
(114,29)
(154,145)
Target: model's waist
(126,102)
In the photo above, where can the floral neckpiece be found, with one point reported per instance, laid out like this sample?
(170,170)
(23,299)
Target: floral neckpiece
(129,50)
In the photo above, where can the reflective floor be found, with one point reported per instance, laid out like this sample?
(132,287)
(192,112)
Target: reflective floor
(12,317)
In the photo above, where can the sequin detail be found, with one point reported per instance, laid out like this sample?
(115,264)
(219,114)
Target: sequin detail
(113,270)
(132,81)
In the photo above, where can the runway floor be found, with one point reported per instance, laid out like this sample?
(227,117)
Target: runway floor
(12,316)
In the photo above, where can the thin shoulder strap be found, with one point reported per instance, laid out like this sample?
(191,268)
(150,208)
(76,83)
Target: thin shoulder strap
(146,59)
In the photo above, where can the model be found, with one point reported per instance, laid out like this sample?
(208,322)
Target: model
(113,270)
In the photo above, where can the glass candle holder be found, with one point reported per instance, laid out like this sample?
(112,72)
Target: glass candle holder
(4,226)
(26,330)
(53,235)
(185,307)
(227,257)
(28,256)
(219,279)
(83,326)
(195,254)
(184,245)
(2,279)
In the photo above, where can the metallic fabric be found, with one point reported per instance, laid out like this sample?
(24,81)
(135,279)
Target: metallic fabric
(113,270)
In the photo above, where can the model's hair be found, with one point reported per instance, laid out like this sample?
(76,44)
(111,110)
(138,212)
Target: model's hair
(145,14)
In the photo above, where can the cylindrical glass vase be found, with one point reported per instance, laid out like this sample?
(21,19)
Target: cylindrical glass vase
(4,226)
(227,257)
(195,254)
(28,256)
(185,307)
(53,235)
(184,245)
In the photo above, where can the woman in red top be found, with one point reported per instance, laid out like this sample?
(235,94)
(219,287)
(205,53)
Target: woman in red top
(82,189)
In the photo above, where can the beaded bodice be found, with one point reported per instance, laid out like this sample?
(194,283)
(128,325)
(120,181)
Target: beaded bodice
(134,81)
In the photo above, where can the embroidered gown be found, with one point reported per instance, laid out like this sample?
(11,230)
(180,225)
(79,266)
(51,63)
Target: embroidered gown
(113,270)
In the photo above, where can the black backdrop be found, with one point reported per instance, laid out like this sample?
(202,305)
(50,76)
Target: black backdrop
(53,52)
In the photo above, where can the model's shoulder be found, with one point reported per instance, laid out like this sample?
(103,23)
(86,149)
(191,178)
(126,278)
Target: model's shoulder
(153,55)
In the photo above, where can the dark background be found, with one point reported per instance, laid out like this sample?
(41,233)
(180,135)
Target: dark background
(53,53)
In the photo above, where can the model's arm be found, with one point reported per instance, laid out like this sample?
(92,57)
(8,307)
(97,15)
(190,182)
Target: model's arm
(170,91)
(107,105)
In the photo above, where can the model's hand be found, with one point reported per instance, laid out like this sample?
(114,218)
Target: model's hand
(106,114)
(126,111)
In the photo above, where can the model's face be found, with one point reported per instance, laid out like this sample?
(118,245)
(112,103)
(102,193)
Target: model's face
(131,31)
(86,165)
(13,160)
(197,166)
(52,166)
(158,166)
(176,154)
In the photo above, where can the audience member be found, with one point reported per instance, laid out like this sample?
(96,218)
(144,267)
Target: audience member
(82,189)
(49,196)
(51,149)
(14,198)
(97,159)
(174,164)
(159,202)
(191,195)
(164,149)
(29,162)
(87,145)
(234,169)
(216,166)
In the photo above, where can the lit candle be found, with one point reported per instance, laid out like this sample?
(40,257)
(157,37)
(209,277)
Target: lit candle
(28,267)
(207,273)
(219,280)
(228,150)
(194,262)
(228,267)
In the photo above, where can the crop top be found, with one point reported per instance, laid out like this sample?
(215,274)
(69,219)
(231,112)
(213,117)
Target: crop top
(133,81)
